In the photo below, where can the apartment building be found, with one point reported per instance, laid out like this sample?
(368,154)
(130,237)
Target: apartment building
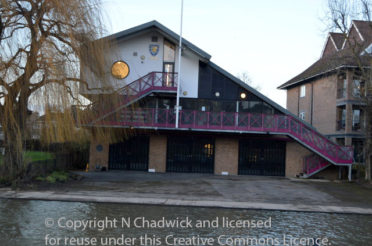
(330,94)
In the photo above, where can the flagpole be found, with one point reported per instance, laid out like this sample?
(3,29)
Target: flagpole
(179,70)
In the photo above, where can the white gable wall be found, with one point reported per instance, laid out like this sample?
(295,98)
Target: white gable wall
(138,67)
(145,63)
(189,74)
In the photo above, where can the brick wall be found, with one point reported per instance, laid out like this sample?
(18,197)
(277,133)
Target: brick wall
(292,100)
(330,173)
(158,153)
(304,104)
(324,103)
(98,154)
(294,159)
(226,156)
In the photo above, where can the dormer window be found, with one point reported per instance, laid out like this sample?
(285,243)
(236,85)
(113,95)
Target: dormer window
(303,91)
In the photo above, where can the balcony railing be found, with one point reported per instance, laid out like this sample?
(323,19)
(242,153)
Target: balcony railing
(151,81)
(356,126)
(231,121)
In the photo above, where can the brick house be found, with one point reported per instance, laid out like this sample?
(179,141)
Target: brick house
(329,94)
(225,126)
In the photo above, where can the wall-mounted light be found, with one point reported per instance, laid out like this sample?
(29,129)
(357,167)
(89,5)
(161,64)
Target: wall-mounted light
(217,94)
(243,95)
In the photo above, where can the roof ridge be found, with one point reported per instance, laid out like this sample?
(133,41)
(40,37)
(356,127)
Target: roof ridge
(161,27)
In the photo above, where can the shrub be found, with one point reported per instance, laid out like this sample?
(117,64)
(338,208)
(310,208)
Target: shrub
(56,176)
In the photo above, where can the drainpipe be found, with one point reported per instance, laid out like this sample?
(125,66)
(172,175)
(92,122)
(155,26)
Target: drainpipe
(312,103)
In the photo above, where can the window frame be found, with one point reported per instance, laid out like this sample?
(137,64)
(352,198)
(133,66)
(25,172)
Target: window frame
(303,91)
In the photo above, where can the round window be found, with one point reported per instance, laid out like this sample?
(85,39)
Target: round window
(99,148)
(120,70)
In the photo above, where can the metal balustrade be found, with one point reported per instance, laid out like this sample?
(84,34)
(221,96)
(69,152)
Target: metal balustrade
(231,121)
(151,82)
(314,164)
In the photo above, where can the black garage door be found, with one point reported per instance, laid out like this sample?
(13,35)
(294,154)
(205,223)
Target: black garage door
(257,157)
(132,154)
(190,154)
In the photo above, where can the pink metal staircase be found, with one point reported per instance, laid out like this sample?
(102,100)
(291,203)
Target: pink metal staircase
(233,122)
(124,116)
(313,164)
(150,83)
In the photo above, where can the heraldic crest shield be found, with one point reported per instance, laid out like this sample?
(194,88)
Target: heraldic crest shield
(154,49)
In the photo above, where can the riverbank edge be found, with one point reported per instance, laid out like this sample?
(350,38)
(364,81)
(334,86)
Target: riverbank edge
(51,196)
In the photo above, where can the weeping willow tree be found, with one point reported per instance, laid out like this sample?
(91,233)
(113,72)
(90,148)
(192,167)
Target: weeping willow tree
(43,44)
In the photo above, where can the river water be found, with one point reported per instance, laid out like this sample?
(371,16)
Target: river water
(73,223)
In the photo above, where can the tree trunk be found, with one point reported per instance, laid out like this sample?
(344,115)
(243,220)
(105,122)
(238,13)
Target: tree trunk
(368,141)
(13,166)
(368,153)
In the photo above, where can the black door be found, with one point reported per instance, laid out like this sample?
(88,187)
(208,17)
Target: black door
(132,154)
(257,157)
(190,154)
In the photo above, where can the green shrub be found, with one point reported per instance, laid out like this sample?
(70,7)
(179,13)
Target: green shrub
(40,178)
(51,179)
(60,176)
(56,176)
(38,156)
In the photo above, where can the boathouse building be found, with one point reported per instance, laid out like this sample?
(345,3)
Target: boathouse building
(225,126)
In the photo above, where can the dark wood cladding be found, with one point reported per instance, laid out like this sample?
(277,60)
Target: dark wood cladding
(212,81)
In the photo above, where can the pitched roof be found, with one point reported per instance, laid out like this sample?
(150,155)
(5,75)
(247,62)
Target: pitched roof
(364,28)
(338,39)
(163,29)
(326,65)
(344,57)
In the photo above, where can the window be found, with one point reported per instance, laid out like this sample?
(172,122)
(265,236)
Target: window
(303,91)
(358,87)
(358,150)
(341,118)
(357,119)
(341,85)
(302,115)
(154,39)
(169,52)
(120,70)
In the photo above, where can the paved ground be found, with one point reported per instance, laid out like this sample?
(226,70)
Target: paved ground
(208,190)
